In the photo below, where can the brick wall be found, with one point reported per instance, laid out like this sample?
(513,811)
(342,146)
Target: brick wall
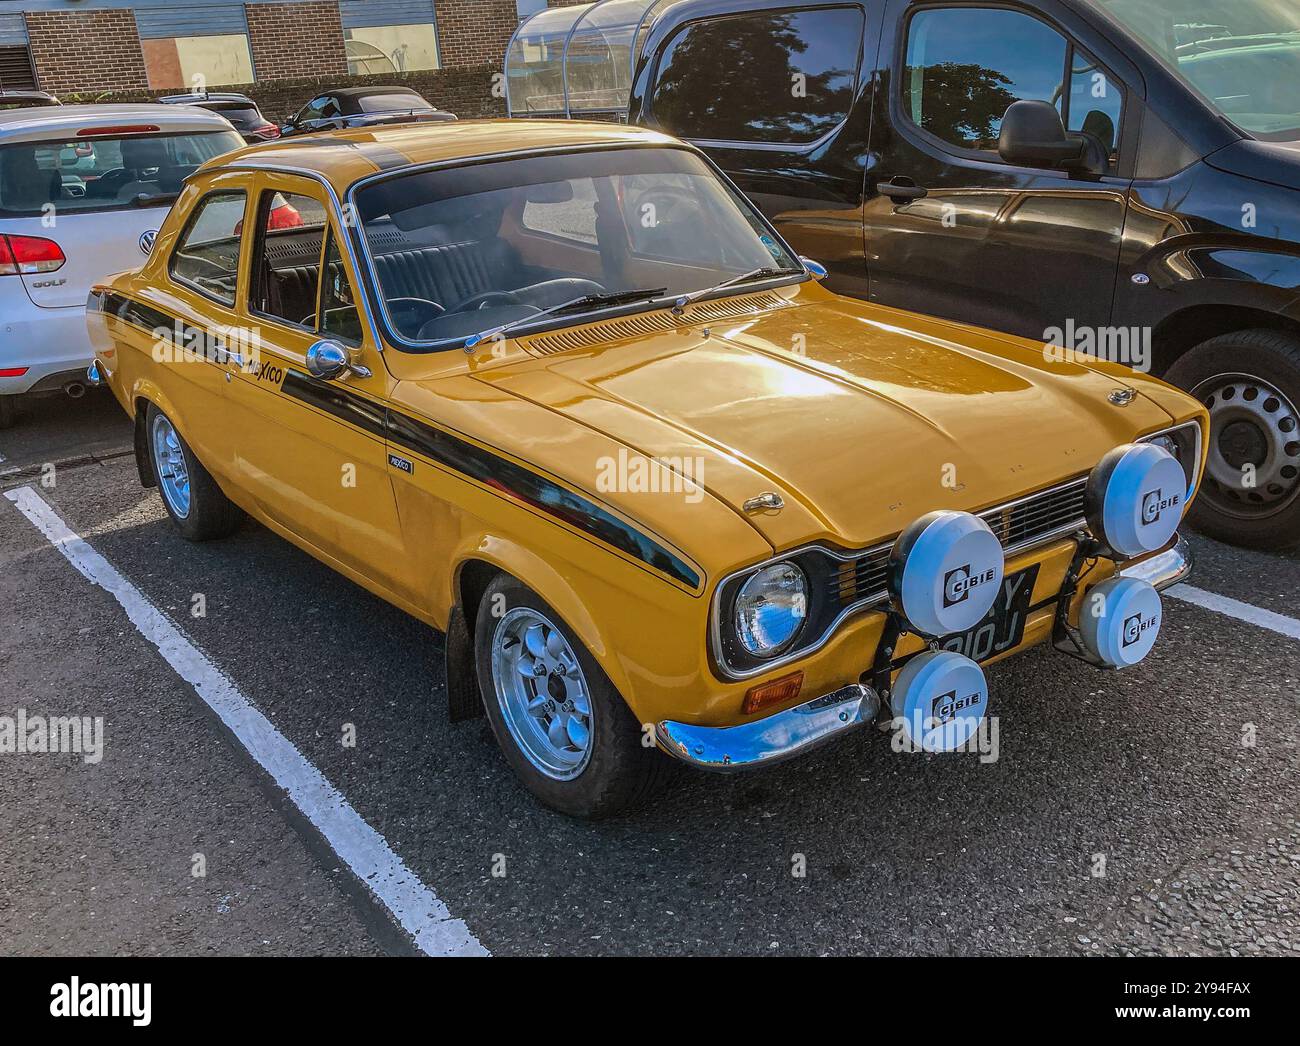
(301,39)
(467,92)
(96,50)
(474,32)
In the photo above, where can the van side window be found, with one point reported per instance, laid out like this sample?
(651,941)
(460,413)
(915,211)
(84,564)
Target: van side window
(1096,102)
(966,66)
(783,78)
(206,256)
(285,269)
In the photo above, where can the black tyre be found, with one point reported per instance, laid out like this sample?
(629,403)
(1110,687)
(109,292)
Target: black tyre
(563,728)
(1250,383)
(191,496)
(8,411)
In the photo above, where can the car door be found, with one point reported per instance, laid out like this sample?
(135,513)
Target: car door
(312,451)
(774,93)
(950,228)
(195,321)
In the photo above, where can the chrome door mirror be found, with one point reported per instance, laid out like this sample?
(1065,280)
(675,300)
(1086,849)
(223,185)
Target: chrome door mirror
(815,269)
(328,360)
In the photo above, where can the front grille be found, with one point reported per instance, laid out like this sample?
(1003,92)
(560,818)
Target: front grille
(1019,525)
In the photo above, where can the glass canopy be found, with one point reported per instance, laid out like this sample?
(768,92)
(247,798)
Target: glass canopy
(577,61)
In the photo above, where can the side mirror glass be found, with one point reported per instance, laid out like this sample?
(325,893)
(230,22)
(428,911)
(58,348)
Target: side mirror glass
(1032,135)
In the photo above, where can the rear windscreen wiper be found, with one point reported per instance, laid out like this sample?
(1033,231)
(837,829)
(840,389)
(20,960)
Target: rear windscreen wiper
(587,301)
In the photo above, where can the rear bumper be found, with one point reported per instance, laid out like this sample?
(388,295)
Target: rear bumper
(787,734)
(48,342)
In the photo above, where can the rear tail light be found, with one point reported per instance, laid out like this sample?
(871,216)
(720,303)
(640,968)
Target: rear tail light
(29,254)
(12,372)
(270,132)
(118,130)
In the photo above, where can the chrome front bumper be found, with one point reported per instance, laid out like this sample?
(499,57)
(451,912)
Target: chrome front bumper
(784,735)
(1164,569)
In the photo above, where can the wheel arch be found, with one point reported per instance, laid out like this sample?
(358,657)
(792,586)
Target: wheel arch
(1181,332)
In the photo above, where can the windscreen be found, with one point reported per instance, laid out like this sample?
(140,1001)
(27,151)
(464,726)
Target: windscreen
(1243,56)
(457,251)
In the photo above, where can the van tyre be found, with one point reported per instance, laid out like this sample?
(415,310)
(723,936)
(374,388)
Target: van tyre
(1250,383)
(198,507)
(565,731)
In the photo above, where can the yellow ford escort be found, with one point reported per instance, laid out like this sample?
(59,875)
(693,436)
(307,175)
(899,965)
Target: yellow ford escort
(558,390)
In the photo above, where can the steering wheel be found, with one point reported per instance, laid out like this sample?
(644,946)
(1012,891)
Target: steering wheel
(479,301)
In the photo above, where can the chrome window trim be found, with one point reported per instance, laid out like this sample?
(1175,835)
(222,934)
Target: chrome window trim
(873,599)
(1196,456)
(338,214)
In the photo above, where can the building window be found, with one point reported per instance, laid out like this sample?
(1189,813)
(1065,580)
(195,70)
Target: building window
(198,62)
(390,48)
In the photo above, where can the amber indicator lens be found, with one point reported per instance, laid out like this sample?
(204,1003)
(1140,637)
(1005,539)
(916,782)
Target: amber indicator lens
(774,693)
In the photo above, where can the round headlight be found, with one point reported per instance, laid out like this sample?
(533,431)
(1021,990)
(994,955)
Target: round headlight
(770,609)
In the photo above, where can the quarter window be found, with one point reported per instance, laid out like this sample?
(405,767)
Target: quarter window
(785,77)
(338,303)
(966,66)
(207,255)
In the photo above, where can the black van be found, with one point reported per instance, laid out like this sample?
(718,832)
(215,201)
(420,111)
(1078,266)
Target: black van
(1120,177)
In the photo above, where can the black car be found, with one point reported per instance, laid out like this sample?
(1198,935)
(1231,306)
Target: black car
(239,109)
(26,99)
(361,107)
(1120,177)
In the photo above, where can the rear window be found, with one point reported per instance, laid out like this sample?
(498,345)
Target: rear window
(97,174)
(244,117)
(383,103)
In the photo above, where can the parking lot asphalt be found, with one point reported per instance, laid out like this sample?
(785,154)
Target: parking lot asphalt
(1155,811)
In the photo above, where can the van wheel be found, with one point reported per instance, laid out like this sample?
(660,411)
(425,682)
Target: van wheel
(1250,383)
(8,411)
(563,728)
(191,496)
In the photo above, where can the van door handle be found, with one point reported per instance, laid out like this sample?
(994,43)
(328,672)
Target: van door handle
(902,188)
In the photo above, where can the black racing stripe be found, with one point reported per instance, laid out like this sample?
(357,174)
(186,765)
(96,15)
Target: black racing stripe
(538,491)
(355,410)
(468,459)
(134,312)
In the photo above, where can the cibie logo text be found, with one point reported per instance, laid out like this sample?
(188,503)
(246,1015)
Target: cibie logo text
(1154,502)
(957,584)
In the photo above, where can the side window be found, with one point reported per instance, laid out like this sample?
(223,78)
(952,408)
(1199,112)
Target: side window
(1095,103)
(207,255)
(966,66)
(786,77)
(286,258)
(338,303)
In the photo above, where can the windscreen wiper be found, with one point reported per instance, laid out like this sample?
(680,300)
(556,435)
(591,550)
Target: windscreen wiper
(587,301)
(766,272)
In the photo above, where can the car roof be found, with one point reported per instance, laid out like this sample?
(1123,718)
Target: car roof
(361,92)
(205,99)
(64,121)
(344,157)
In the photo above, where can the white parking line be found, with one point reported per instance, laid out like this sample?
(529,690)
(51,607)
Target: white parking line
(1280,623)
(415,907)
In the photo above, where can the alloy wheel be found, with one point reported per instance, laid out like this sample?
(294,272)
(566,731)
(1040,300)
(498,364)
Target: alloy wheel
(542,693)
